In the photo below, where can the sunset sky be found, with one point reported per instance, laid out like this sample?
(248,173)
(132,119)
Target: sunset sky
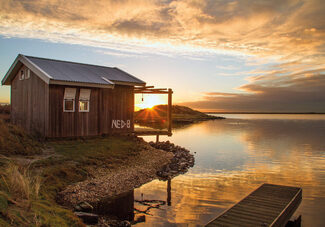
(217,55)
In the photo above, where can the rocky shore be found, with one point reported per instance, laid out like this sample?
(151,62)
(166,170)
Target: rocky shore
(179,164)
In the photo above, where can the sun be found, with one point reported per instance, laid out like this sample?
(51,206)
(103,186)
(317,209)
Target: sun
(148,101)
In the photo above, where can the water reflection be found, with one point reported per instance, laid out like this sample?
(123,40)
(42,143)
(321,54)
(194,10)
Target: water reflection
(235,156)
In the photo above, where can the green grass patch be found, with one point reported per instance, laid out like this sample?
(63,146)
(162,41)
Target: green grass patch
(96,151)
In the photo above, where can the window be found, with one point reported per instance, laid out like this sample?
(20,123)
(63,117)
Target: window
(68,105)
(27,76)
(83,106)
(21,75)
(69,99)
(84,99)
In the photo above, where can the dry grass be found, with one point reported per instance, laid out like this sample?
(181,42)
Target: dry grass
(21,202)
(14,140)
(5,112)
(22,185)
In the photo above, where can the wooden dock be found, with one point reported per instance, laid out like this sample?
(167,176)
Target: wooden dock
(269,205)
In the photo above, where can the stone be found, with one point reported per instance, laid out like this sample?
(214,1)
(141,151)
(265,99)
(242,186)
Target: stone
(77,208)
(87,218)
(85,207)
(180,163)
(141,218)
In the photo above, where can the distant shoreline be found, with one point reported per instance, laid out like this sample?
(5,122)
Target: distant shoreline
(260,113)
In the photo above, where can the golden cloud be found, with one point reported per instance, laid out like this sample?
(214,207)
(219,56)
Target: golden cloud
(283,29)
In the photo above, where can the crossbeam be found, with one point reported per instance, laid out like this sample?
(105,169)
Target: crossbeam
(152,90)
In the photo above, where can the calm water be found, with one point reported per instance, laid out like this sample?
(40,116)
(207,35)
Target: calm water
(236,155)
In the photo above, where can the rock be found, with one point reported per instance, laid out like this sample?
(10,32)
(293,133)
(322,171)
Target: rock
(117,223)
(125,223)
(87,218)
(141,218)
(180,163)
(85,207)
(77,208)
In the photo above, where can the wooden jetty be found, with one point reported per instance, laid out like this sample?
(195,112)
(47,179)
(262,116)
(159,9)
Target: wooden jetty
(269,205)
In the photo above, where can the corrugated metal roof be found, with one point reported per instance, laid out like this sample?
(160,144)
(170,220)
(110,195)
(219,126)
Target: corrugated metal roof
(84,73)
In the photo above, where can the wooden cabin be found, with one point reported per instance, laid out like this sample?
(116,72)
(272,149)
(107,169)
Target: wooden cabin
(66,99)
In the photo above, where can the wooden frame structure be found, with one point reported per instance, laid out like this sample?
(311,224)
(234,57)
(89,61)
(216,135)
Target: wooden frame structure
(153,90)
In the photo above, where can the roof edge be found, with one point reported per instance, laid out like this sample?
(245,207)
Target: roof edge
(128,83)
(5,78)
(24,60)
(80,84)
(142,82)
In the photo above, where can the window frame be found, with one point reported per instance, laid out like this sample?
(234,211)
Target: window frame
(73,105)
(27,74)
(22,75)
(88,107)
(69,95)
(85,93)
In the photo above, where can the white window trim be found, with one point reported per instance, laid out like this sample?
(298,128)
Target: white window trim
(69,95)
(27,74)
(84,96)
(87,105)
(64,110)
(22,74)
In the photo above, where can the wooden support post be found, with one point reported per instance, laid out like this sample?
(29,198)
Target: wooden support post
(169,110)
(169,192)
(157,138)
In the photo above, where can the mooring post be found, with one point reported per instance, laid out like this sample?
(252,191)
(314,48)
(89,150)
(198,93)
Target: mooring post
(157,138)
(169,192)
(169,110)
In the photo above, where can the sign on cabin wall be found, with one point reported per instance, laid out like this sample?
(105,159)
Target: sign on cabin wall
(121,124)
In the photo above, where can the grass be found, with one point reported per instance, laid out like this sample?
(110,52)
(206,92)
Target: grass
(21,203)
(28,193)
(21,183)
(76,157)
(14,141)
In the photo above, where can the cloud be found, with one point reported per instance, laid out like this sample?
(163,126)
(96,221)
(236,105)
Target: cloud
(120,54)
(288,34)
(279,29)
(296,92)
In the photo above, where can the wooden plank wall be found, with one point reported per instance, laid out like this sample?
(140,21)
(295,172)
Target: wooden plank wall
(105,105)
(29,103)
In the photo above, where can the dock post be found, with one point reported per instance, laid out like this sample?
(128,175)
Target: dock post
(157,138)
(169,192)
(169,110)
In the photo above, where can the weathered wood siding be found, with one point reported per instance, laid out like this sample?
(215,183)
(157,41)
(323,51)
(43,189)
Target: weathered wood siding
(29,103)
(106,105)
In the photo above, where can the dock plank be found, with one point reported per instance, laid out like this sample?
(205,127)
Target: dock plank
(269,205)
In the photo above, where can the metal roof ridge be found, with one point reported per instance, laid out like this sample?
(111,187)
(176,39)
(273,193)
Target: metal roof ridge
(73,62)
